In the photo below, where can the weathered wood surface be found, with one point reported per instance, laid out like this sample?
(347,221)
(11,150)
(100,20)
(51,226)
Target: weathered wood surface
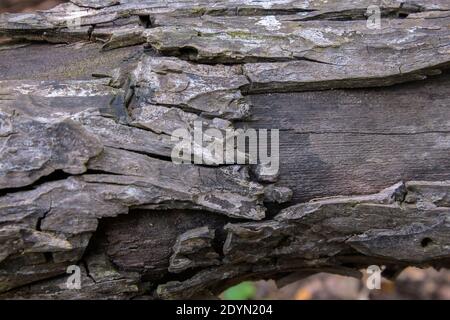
(86,117)
(358,141)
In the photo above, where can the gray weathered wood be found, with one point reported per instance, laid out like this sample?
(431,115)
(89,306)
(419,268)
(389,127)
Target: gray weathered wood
(92,90)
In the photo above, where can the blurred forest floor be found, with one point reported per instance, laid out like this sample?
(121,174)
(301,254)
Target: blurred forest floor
(412,283)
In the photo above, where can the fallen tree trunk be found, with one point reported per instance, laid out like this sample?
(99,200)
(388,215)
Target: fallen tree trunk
(92,91)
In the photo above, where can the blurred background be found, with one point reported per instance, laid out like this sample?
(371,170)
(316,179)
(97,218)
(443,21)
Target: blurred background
(412,283)
(27,5)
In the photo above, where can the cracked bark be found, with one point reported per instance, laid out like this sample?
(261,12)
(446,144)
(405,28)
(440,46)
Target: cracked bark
(86,176)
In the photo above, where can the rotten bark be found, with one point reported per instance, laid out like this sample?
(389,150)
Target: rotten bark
(86,129)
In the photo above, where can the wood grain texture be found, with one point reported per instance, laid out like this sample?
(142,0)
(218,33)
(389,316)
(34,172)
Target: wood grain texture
(358,141)
(92,90)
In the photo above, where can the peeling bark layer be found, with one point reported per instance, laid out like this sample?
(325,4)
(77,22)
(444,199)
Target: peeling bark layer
(86,141)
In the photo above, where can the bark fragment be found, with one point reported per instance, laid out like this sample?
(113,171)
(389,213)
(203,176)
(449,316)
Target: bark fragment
(193,249)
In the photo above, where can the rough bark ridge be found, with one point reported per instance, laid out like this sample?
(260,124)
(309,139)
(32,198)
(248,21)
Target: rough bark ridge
(91,92)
